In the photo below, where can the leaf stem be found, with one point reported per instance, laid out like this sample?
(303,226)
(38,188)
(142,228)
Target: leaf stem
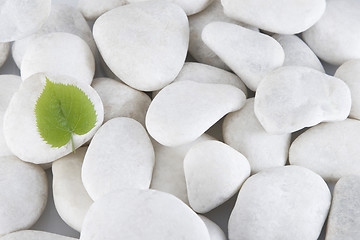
(72,143)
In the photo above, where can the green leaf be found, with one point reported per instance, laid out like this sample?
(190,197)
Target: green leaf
(62,110)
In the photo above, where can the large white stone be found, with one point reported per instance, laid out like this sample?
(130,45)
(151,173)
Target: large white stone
(70,197)
(9,85)
(285,17)
(34,235)
(4,52)
(63,18)
(119,156)
(344,217)
(142,214)
(23,194)
(145,43)
(243,132)
(92,9)
(250,54)
(184,110)
(168,175)
(215,231)
(349,72)
(280,204)
(20,18)
(297,53)
(20,130)
(214,172)
(329,149)
(120,100)
(291,98)
(335,37)
(59,53)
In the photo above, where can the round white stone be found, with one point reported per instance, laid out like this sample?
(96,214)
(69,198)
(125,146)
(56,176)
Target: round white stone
(335,37)
(349,72)
(70,197)
(168,175)
(20,18)
(184,110)
(120,100)
(24,194)
(297,53)
(63,18)
(34,235)
(243,132)
(142,214)
(285,17)
(250,54)
(119,156)
(329,149)
(214,172)
(215,231)
(291,98)
(280,203)
(4,52)
(92,9)
(59,53)
(145,50)
(20,130)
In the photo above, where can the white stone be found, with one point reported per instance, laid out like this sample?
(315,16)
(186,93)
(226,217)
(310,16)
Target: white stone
(34,235)
(250,54)
(59,53)
(329,149)
(344,217)
(197,22)
(9,85)
(4,52)
(215,231)
(24,194)
(120,100)
(297,53)
(349,72)
(335,37)
(135,214)
(168,175)
(184,110)
(243,132)
(291,98)
(280,204)
(145,50)
(63,18)
(285,17)
(20,131)
(214,172)
(70,197)
(92,9)
(20,18)
(119,156)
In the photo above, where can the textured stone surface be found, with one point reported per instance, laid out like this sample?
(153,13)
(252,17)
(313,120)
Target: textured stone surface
(34,235)
(4,52)
(92,9)
(215,231)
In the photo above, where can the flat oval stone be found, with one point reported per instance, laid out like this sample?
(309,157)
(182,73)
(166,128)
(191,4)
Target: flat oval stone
(92,9)
(4,52)
(168,175)
(63,18)
(280,203)
(151,57)
(349,72)
(341,17)
(119,156)
(70,197)
(285,17)
(243,132)
(20,130)
(215,231)
(34,235)
(120,100)
(135,214)
(214,172)
(291,98)
(59,53)
(24,194)
(344,216)
(20,18)
(297,53)
(184,110)
(329,149)
(235,46)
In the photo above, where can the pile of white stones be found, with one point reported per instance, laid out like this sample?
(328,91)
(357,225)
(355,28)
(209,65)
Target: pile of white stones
(149,167)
